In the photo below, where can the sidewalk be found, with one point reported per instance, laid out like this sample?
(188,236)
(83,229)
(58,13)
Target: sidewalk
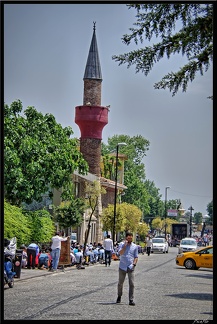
(33,273)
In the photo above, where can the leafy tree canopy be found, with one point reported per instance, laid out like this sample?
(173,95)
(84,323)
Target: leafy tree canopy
(194,39)
(210,213)
(70,213)
(39,154)
(139,192)
(128,217)
(16,224)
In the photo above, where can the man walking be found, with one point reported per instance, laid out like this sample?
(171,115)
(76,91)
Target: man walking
(108,246)
(128,259)
(148,245)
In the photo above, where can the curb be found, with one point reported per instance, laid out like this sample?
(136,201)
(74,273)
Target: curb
(34,273)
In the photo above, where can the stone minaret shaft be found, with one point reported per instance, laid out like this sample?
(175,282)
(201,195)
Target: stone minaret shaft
(92,117)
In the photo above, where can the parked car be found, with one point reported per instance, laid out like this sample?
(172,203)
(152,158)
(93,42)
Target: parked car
(187,244)
(159,244)
(202,258)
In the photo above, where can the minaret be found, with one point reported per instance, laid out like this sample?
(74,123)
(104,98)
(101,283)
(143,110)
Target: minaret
(92,117)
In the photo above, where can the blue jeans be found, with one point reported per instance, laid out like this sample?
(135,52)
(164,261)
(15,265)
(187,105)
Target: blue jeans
(108,255)
(55,254)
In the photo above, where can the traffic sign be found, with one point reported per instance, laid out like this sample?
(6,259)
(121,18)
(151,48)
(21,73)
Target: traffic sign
(172,212)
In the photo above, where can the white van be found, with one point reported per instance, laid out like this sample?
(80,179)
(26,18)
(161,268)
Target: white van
(73,237)
(187,244)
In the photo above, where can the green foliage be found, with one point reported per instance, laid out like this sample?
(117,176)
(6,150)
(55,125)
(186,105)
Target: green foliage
(132,217)
(210,213)
(198,218)
(128,217)
(70,213)
(143,229)
(93,192)
(39,154)
(139,191)
(157,224)
(194,39)
(156,205)
(16,224)
(27,226)
(42,226)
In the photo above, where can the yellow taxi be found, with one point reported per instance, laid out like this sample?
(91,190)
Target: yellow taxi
(202,258)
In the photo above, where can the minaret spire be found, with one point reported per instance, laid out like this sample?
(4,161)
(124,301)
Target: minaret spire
(92,117)
(93,68)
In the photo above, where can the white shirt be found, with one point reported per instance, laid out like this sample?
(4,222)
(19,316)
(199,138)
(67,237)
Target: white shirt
(149,243)
(108,244)
(56,242)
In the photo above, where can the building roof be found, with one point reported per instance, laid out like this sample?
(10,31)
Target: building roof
(93,68)
(107,183)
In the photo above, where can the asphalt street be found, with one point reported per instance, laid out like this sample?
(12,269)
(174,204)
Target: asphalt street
(163,291)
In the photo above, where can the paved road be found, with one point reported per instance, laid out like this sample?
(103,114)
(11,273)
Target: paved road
(163,291)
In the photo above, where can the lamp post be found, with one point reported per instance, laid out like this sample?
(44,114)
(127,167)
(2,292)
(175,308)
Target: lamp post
(191,209)
(116,187)
(165,211)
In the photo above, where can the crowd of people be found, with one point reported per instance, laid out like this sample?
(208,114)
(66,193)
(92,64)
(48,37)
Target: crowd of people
(47,256)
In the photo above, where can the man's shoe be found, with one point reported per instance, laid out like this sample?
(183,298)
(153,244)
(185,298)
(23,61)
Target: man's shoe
(131,303)
(118,300)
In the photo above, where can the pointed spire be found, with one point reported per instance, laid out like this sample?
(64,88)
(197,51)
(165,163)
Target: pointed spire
(93,68)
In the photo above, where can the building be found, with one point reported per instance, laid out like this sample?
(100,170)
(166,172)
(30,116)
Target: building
(92,117)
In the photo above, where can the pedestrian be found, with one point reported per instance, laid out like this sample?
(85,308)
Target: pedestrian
(78,258)
(24,256)
(43,260)
(149,245)
(32,253)
(101,254)
(205,240)
(55,250)
(128,259)
(108,246)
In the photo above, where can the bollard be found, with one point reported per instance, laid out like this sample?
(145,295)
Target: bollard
(18,263)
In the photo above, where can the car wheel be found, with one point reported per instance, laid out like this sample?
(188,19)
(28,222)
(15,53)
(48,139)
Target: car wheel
(167,251)
(190,264)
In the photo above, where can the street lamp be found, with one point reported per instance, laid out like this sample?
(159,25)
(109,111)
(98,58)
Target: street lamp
(116,186)
(191,209)
(165,211)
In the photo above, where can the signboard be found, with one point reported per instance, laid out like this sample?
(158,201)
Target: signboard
(65,253)
(172,212)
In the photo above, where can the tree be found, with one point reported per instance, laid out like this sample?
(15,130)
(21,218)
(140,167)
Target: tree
(16,224)
(93,191)
(70,213)
(194,40)
(158,224)
(155,203)
(128,217)
(39,155)
(134,169)
(210,213)
(42,225)
(140,192)
(142,230)
(27,226)
(198,218)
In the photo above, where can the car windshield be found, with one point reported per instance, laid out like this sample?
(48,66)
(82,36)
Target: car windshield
(189,242)
(158,240)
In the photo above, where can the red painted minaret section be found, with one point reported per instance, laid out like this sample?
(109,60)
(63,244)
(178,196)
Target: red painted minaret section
(92,117)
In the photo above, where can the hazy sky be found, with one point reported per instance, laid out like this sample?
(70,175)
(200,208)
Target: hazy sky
(45,54)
